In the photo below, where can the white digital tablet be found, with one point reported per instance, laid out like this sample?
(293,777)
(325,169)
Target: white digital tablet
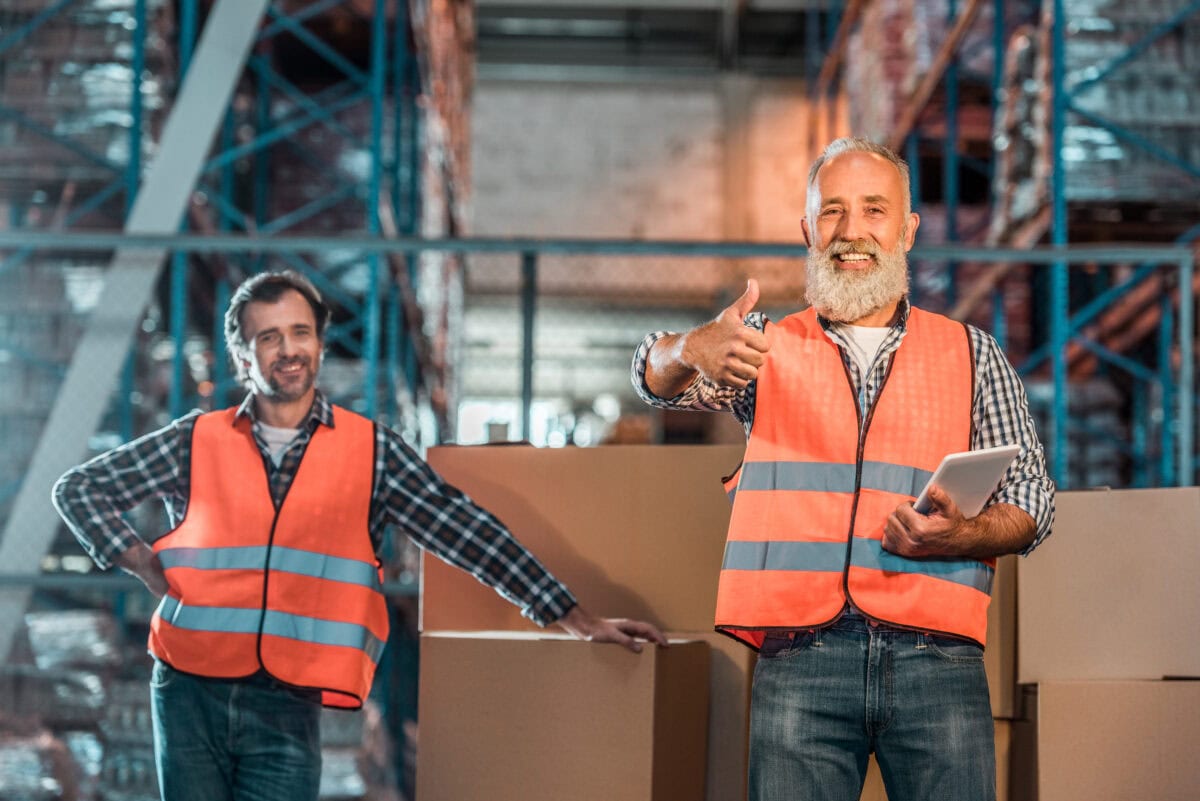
(969,478)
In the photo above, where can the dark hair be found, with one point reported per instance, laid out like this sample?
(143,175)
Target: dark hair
(268,287)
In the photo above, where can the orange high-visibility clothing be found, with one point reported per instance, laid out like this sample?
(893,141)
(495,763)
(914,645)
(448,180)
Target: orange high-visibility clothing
(820,477)
(295,591)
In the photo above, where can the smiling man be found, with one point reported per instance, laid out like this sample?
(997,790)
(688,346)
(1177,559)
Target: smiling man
(269,578)
(869,618)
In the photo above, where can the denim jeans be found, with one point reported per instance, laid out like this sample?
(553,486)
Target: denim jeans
(234,740)
(824,700)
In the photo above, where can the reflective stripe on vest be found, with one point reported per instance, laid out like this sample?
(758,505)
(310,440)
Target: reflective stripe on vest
(295,591)
(284,560)
(280,624)
(831,556)
(810,500)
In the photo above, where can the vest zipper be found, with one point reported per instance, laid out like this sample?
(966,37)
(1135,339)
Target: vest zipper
(864,424)
(262,619)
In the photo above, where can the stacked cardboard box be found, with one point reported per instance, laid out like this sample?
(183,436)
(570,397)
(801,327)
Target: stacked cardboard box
(1107,654)
(635,531)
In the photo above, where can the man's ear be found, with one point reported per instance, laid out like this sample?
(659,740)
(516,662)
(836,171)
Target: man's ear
(804,230)
(910,230)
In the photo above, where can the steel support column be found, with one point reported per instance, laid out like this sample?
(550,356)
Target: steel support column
(1059,276)
(528,311)
(129,282)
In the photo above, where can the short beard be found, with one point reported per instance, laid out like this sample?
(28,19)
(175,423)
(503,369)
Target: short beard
(844,296)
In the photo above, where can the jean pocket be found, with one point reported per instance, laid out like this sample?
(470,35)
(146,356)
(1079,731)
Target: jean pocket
(776,646)
(954,650)
(161,674)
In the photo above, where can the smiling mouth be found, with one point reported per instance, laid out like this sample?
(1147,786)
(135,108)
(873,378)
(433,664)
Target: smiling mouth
(854,260)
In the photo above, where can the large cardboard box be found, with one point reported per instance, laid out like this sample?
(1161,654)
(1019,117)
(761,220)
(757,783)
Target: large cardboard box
(635,531)
(731,675)
(1108,741)
(1110,595)
(1000,655)
(509,716)
(873,788)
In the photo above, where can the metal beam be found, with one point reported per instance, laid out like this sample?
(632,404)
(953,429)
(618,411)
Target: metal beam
(837,50)
(129,282)
(77,241)
(920,96)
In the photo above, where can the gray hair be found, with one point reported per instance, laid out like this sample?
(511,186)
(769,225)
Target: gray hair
(857,144)
(268,287)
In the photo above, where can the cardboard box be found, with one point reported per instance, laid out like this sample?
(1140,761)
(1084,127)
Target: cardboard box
(731,675)
(1000,655)
(508,716)
(873,788)
(1109,741)
(1105,596)
(635,531)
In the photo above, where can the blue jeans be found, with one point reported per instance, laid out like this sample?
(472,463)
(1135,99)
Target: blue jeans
(234,740)
(824,700)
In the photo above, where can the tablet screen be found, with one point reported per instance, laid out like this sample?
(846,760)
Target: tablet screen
(969,478)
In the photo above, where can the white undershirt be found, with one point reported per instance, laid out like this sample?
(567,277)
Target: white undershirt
(277,439)
(864,343)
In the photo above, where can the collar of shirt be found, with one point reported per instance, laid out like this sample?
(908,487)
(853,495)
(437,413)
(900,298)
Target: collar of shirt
(901,319)
(890,343)
(321,412)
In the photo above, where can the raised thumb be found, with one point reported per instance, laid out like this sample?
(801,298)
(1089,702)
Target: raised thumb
(746,303)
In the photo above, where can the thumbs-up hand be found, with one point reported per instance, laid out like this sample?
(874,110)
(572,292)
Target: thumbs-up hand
(726,351)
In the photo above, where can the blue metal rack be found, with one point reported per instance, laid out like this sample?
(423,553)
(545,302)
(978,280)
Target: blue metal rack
(1173,379)
(387,90)
(1154,458)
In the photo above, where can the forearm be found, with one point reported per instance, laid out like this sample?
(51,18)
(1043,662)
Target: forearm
(667,376)
(998,530)
(441,519)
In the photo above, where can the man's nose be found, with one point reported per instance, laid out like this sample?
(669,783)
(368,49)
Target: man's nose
(851,228)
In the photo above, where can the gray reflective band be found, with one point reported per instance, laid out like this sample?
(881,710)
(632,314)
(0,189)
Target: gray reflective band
(232,620)
(285,560)
(832,477)
(818,556)
(968,572)
(830,557)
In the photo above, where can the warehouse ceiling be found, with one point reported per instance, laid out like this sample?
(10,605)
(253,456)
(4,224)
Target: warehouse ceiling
(689,36)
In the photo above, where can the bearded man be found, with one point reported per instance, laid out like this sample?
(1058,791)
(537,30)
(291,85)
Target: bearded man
(269,580)
(869,618)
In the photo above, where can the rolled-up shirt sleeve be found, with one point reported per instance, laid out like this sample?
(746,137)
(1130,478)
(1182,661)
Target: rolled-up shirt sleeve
(701,395)
(1002,417)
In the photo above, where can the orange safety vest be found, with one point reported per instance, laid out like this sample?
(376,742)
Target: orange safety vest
(295,591)
(812,496)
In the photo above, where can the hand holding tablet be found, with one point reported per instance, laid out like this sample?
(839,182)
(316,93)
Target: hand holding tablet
(969,478)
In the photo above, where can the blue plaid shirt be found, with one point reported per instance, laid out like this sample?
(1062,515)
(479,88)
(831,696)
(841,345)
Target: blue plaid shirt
(407,493)
(1000,411)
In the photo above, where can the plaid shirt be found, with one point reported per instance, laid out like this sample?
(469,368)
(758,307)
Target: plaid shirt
(407,493)
(999,410)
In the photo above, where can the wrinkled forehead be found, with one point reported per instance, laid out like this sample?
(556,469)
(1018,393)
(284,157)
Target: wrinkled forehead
(856,176)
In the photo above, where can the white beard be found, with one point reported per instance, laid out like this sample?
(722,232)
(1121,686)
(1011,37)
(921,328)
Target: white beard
(842,295)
